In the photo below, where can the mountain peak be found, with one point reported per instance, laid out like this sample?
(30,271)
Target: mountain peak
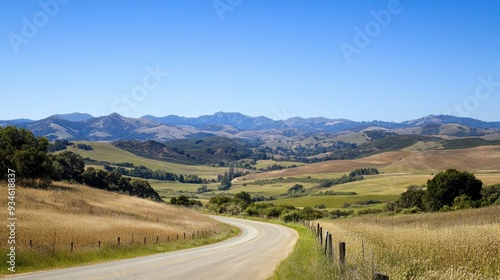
(74,117)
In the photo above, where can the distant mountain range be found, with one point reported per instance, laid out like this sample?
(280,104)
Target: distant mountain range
(80,126)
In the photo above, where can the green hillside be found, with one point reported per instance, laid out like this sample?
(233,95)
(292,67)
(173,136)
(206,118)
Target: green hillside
(106,152)
(213,150)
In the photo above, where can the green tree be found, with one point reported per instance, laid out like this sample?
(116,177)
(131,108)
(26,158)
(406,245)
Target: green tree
(413,197)
(22,151)
(243,196)
(447,185)
(181,179)
(296,188)
(68,166)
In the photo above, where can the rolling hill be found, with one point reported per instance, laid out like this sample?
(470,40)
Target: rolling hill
(79,126)
(479,159)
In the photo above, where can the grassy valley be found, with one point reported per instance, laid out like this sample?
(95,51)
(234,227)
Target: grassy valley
(398,170)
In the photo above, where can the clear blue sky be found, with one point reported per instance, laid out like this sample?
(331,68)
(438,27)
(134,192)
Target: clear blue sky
(259,57)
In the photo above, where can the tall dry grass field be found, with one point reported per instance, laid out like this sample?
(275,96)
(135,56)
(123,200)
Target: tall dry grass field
(456,245)
(54,218)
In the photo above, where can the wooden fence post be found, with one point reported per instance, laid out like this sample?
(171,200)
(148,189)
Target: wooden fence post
(71,247)
(330,247)
(326,242)
(99,244)
(118,240)
(177,237)
(144,240)
(31,244)
(184,235)
(380,276)
(342,255)
(317,230)
(321,236)
(157,239)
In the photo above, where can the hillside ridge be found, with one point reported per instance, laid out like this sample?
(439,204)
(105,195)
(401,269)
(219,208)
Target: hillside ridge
(81,126)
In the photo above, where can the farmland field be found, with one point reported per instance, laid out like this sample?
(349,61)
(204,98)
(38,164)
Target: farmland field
(478,160)
(399,170)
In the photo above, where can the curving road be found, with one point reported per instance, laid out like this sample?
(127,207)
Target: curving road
(254,254)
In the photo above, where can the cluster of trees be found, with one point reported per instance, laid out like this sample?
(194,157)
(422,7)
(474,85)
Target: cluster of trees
(22,151)
(246,164)
(146,173)
(114,181)
(304,151)
(334,193)
(364,171)
(448,190)
(59,145)
(341,180)
(226,179)
(273,167)
(84,147)
(183,200)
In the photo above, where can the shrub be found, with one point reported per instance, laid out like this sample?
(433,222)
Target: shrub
(202,189)
(183,200)
(292,216)
(320,206)
(490,195)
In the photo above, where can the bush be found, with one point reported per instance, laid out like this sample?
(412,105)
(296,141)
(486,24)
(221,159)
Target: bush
(309,213)
(183,200)
(272,212)
(296,188)
(202,189)
(369,211)
(292,216)
(335,214)
(490,195)
(462,202)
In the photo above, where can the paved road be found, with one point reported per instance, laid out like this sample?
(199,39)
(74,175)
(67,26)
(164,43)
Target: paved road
(254,254)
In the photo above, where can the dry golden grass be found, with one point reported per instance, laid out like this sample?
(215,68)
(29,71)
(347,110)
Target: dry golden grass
(54,218)
(456,245)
